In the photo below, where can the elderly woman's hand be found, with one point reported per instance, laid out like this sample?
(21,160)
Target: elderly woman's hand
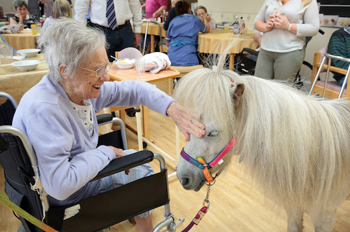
(119,153)
(187,122)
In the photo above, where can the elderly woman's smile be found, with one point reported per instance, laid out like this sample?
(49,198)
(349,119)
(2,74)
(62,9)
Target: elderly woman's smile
(89,78)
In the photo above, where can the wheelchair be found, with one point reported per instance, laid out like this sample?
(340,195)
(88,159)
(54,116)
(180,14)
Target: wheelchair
(23,186)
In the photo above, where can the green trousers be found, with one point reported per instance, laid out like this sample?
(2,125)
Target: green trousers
(279,66)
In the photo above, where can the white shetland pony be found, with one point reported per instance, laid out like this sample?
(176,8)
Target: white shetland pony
(296,147)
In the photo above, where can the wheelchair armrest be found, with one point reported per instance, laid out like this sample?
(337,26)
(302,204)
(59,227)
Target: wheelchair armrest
(104,118)
(251,51)
(125,162)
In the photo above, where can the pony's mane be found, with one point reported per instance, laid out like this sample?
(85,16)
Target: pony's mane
(295,146)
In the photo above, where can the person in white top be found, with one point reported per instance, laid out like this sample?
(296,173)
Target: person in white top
(285,24)
(120,37)
(61,9)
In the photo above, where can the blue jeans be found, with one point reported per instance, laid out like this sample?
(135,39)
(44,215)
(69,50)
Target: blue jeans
(341,81)
(117,40)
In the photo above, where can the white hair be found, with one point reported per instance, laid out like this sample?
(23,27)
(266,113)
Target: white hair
(295,146)
(70,43)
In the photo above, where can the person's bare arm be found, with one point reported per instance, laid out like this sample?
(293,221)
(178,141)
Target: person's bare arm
(159,11)
(205,21)
(12,21)
(262,26)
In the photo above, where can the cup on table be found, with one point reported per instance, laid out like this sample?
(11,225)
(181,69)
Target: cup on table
(7,52)
(34,28)
(140,67)
(226,27)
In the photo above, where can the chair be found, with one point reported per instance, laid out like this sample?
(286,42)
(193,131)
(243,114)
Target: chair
(129,53)
(8,107)
(332,90)
(183,71)
(23,186)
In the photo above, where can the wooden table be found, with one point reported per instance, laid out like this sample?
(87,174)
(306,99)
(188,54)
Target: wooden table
(213,42)
(16,82)
(117,74)
(22,40)
(216,41)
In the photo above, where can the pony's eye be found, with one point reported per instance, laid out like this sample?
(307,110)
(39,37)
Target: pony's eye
(213,133)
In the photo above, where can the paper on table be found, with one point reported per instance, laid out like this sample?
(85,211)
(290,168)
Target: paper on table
(18,57)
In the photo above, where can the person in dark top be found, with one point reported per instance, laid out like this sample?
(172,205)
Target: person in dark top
(22,15)
(172,14)
(339,45)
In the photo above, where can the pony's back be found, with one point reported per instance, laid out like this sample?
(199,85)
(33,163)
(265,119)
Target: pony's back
(295,146)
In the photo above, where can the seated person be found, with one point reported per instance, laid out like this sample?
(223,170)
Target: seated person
(182,36)
(63,106)
(257,38)
(171,15)
(22,15)
(201,12)
(61,9)
(339,45)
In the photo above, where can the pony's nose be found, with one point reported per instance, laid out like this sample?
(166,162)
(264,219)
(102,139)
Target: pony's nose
(185,182)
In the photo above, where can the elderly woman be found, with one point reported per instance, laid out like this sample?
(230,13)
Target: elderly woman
(61,9)
(201,12)
(22,15)
(58,115)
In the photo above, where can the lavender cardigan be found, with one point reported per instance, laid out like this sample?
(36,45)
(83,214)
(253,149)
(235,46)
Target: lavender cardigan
(66,154)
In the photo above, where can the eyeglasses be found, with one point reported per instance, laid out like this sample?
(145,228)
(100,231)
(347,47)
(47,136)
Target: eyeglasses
(100,71)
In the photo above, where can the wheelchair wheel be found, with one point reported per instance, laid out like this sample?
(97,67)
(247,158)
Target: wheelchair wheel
(303,78)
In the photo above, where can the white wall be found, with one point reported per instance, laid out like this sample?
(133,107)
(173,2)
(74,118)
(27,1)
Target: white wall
(7,5)
(226,10)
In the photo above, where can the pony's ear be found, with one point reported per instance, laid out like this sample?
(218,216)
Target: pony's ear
(238,92)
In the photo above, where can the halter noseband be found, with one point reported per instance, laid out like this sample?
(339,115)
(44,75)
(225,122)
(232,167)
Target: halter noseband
(199,162)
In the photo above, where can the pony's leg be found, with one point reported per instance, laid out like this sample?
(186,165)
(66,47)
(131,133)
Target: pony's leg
(295,221)
(324,222)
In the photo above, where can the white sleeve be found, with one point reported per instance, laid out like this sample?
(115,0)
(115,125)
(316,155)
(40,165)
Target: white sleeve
(261,14)
(311,23)
(135,8)
(81,10)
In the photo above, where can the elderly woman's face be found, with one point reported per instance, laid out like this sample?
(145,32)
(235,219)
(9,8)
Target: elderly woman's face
(201,14)
(22,10)
(87,84)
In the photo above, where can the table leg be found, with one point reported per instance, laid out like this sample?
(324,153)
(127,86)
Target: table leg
(152,43)
(232,61)
(170,86)
(145,122)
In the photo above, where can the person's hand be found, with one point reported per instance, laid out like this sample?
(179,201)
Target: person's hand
(155,14)
(42,1)
(269,24)
(281,22)
(187,122)
(119,153)
(208,17)
(137,38)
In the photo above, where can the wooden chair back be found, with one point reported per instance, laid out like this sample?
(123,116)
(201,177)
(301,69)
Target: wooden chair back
(332,88)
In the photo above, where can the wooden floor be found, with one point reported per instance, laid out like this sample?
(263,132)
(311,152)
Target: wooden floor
(234,204)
